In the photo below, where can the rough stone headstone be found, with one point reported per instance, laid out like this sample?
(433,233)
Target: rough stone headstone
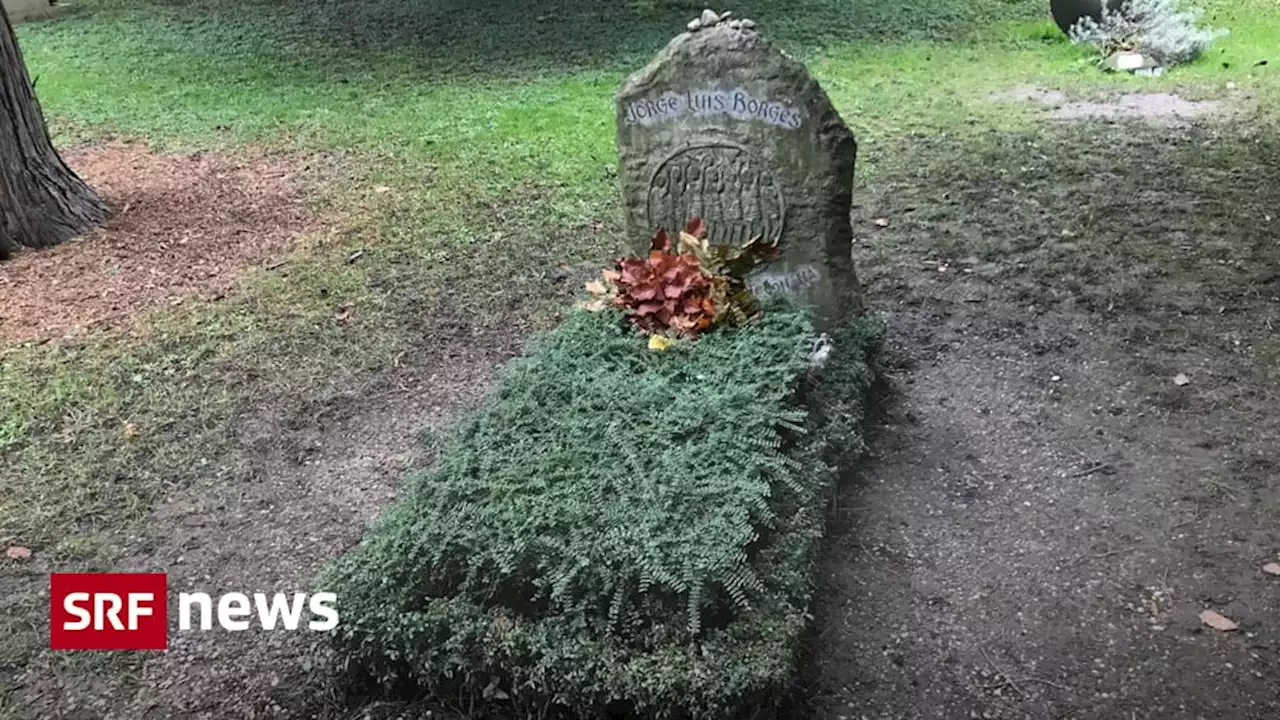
(722,125)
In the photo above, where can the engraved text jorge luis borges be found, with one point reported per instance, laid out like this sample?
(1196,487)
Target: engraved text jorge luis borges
(736,103)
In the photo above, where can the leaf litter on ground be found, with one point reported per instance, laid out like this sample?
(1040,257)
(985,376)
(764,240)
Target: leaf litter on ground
(1217,622)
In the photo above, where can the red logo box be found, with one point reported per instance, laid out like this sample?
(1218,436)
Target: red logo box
(108,611)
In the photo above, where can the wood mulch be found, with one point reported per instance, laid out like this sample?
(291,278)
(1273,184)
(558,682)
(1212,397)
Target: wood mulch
(184,226)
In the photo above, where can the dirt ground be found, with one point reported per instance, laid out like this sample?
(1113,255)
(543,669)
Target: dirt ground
(1079,455)
(1038,531)
(1047,508)
(183,226)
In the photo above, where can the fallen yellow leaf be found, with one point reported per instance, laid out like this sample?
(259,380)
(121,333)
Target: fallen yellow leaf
(595,287)
(659,343)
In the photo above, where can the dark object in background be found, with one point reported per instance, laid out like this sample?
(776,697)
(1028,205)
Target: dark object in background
(1068,12)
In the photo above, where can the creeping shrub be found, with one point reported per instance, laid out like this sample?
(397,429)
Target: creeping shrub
(617,531)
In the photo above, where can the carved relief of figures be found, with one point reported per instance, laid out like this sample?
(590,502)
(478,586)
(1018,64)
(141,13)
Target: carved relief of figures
(733,193)
(724,185)
(695,190)
(660,197)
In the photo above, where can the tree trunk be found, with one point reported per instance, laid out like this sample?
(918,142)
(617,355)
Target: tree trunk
(42,202)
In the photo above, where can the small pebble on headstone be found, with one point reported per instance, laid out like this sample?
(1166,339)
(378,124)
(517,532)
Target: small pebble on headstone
(709,18)
(694,24)
(748,24)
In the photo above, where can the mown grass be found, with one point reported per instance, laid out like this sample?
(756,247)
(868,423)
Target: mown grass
(492,124)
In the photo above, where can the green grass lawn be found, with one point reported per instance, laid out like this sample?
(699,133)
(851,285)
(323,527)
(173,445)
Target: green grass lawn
(493,124)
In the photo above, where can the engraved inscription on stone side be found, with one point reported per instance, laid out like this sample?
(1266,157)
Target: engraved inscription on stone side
(726,185)
(791,283)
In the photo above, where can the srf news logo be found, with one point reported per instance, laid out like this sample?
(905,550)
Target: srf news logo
(130,611)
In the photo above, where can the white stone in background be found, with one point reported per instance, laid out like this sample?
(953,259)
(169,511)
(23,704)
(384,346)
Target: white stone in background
(1129,61)
(1134,62)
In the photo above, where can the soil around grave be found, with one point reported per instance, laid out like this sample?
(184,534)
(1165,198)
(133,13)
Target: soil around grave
(1079,455)
(183,226)
(1025,547)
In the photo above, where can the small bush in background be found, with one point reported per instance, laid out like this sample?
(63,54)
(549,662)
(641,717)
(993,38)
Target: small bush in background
(1156,28)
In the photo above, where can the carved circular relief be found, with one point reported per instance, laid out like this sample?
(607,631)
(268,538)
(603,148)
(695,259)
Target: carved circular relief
(726,185)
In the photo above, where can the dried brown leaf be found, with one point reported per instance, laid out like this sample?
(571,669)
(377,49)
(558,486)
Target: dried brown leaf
(17,552)
(661,242)
(696,227)
(1217,622)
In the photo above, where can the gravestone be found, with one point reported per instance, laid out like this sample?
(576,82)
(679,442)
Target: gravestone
(722,125)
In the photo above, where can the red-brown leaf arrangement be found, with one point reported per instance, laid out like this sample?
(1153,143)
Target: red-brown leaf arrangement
(664,290)
(685,290)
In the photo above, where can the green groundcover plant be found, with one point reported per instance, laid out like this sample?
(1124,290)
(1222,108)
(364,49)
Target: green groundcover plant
(617,532)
